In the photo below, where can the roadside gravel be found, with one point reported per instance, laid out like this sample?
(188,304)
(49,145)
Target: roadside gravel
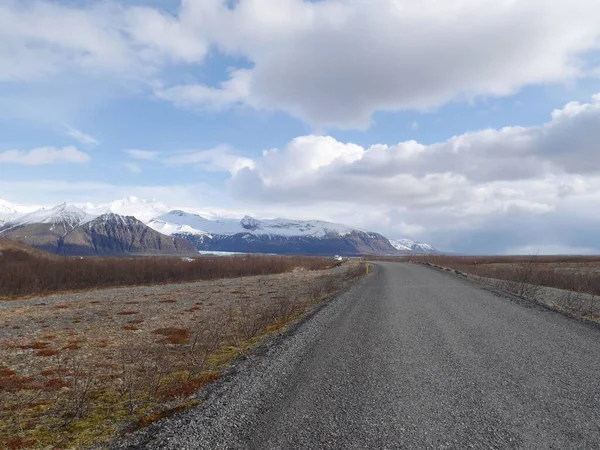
(407,358)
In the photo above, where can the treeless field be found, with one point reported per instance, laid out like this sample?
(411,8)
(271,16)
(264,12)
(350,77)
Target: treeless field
(28,272)
(76,367)
(535,277)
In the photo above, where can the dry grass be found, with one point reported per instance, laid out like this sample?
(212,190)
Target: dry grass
(110,369)
(27,272)
(528,276)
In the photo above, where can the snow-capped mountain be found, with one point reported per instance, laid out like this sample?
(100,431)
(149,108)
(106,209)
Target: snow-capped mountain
(406,245)
(144,210)
(46,228)
(7,211)
(183,222)
(281,236)
(10,211)
(67,230)
(68,215)
(114,234)
(7,207)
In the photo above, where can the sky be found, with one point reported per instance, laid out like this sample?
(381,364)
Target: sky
(473,125)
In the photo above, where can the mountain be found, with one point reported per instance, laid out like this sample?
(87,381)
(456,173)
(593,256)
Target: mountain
(281,236)
(143,210)
(16,250)
(67,216)
(113,234)
(7,211)
(44,228)
(50,229)
(68,230)
(406,245)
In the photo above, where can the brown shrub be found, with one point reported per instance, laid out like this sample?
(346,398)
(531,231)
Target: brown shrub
(37,345)
(18,443)
(193,308)
(47,352)
(185,388)
(54,384)
(6,372)
(34,274)
(127,313)
(523,271)
(72,346)
(14,383)
(174,335)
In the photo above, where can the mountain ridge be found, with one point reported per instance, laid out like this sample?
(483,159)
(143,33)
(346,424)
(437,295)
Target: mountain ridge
(67,230)
(248,234)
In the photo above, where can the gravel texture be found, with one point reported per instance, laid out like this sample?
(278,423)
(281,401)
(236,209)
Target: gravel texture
(407,358)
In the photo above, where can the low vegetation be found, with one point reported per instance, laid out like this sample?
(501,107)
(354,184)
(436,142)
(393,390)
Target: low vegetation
(527,276)
(24,272)
(78,368)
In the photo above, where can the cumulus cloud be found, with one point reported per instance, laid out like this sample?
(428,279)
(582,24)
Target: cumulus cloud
(234,91)
(43,38)
(461,169)
(528,177)
(44,155)
(334,63)
(331,63)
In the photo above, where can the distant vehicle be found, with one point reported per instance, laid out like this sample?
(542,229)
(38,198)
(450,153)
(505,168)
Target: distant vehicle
(338,258)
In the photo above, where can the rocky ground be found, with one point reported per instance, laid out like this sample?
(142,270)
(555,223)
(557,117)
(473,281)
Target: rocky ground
(120,354)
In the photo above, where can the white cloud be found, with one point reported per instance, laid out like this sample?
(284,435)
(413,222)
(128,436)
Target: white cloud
(42,38)
(335,63)
(82,137)
(330,63)
(44,155)
(220,158)
(236,90)
(474,167)
(144,155)
(518,182)
(217,159)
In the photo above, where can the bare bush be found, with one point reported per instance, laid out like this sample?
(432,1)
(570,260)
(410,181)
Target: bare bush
(24,274)
(522,275)
(109,373)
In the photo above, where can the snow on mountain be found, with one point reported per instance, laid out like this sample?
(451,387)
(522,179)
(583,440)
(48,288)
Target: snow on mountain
(7,208)
(10,211)
(68,215)
(182,222)
(143,210)
(406,245)
(207,226)
(7,211)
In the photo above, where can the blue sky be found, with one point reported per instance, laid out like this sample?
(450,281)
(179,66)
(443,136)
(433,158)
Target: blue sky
(469,124)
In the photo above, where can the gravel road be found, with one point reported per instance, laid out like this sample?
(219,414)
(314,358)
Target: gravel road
(408,358)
